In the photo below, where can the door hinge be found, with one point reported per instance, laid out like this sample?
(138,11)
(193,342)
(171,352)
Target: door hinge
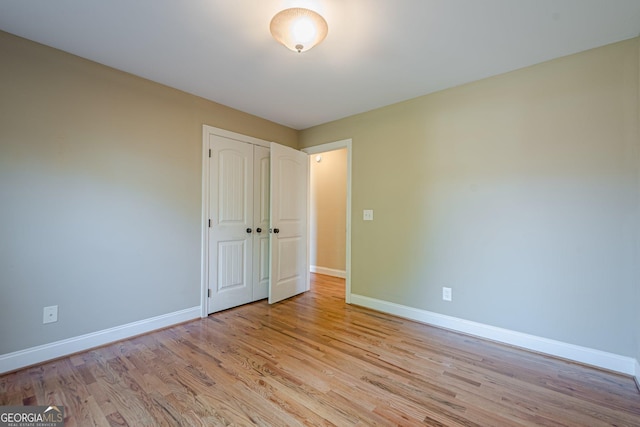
(209,152)
(208,293)
(209,223)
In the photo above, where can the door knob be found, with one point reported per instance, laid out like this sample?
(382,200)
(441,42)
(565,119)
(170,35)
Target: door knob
(258,230)
(276,230)
(248,230)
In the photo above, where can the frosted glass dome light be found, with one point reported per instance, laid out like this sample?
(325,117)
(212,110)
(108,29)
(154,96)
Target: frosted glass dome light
(298,29)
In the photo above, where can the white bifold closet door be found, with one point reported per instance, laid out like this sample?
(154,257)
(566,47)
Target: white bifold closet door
(250,256)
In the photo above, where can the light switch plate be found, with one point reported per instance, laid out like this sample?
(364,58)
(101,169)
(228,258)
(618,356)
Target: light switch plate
(367,214)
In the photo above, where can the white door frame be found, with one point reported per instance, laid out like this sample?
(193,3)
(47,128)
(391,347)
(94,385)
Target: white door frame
(331,146)
(204,261)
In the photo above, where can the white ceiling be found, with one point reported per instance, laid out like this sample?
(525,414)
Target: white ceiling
(377,52)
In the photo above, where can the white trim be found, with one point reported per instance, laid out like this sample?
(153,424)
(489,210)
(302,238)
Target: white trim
(329,146)
(328,271)
(589,356)
(637,374)
(204,263)
(42,353)
(235,136)
(337,145)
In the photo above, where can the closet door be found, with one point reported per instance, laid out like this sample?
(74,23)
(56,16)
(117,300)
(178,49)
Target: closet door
(289,271)
(247,191)
(231,211)
(261,204)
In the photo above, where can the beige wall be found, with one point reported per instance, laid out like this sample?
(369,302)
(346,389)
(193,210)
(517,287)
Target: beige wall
(328,193)
(100,193)
(520,192)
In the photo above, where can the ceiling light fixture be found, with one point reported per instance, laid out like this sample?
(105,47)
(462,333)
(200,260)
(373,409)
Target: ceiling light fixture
(298,29)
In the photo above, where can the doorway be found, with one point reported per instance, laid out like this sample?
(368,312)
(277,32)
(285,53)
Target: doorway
(330,210)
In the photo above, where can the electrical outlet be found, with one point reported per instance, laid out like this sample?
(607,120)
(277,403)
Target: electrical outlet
(50,314)
(367,214)
(446,294)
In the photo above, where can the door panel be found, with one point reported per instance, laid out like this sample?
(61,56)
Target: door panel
(231,210)
(231,261)
(288,250)
(232,178)
(289,274)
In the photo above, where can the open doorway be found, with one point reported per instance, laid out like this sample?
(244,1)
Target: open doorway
(330,210)
(328,213)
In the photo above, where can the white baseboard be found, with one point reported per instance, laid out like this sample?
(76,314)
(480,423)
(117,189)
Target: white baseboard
(585,355)
(328,271)
(31,356)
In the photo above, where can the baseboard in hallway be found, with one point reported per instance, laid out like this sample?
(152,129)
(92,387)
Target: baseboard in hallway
(328,271)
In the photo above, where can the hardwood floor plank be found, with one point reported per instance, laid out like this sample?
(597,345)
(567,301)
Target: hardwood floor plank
(313,360)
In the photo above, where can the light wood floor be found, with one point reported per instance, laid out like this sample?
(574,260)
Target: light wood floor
(313,360)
